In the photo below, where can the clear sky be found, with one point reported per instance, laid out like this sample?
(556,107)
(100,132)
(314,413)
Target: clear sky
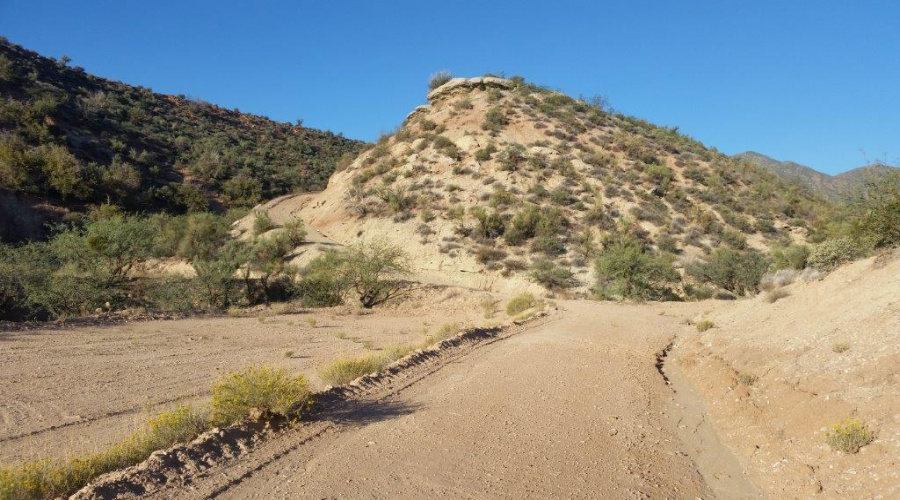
(817,82)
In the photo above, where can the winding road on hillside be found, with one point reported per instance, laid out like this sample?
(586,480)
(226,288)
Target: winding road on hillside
(574,407)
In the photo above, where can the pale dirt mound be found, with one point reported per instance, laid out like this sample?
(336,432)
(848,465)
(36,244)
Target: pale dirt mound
(502,145)
(777,424)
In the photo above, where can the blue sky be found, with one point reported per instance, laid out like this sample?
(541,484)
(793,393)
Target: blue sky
(810,81)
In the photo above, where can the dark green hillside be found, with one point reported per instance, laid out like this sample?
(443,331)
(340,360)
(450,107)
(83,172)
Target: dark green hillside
(69,139)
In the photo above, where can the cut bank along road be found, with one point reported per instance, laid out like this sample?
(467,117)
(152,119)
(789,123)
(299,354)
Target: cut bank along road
(572,408)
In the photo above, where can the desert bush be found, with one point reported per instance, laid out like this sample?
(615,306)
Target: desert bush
(627,270)
(438,79)
(775,295)
(485,153)
(704,325)
(533,222)
(344,370)
(520,303)
(790,257)
(849,436)
(731,270)
(490,224)
(747,379)
(552,275)
(295,231)
(494,120)
(262,223)
(261,388)
(778,279)
(376,271)
(876,212)
(833,252)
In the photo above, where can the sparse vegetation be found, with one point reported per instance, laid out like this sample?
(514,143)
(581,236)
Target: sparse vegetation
(624,269)
(840,347)
(520,303)
(551,275)
(704,325)
(732,270)
(746,379)
(849,436)
(260,388)
(438,79)
(344,370)
(775,295)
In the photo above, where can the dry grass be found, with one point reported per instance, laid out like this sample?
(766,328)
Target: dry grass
(775,295)
(345,370)
(520,303)
(840,347)
(704,325)
(849,436)
(51,478)
(747,379)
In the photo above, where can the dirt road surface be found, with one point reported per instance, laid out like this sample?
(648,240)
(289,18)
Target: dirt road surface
(572,408)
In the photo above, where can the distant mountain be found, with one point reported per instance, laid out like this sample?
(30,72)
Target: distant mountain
(69,140)
(833,188)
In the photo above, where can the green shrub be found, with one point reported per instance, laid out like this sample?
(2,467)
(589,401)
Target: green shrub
(849,436)
(262,223)
(552,276)
(833,252)
(520,303)
(262,388)
(876,212)
(790,257)
(323,281)
(494,120)
(376,271)
(295,231)
(626,270)
(731,270)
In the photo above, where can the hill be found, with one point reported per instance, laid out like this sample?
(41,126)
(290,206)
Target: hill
(69,139)
(498,183)
(834,188)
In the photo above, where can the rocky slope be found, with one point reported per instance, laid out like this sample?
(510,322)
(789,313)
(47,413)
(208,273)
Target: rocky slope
(493,176)
(69,139)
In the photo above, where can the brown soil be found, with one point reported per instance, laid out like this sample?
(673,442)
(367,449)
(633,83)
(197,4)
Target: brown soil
(72,391)
(573,407)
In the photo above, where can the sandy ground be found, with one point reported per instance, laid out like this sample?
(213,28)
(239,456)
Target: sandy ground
(572,408)
(802,385)
(67,392)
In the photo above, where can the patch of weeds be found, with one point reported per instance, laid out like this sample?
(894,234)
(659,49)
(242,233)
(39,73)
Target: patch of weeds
(288,354)
(344,370)
(849,436)
(704,325)
(747,379)
(840,347)
(311,322)
(520,303)
(487,307)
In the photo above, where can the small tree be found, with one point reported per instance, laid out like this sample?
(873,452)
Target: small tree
(734,271)
(324,281)
(377,271)
(876,211)
(627,270)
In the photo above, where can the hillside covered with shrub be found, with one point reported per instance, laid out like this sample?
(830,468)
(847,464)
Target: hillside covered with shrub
(69,140)
(499,182)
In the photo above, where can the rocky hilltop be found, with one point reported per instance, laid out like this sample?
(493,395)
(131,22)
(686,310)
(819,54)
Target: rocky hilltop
(494,177)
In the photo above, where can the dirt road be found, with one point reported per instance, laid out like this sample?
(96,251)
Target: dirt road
(573,408)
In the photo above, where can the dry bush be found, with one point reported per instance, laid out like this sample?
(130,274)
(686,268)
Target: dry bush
(704,325)
(849,436)
(262,388)
(344,370)
(747,379)
(840,347)
(775,295)
(778,279)
(520,303)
